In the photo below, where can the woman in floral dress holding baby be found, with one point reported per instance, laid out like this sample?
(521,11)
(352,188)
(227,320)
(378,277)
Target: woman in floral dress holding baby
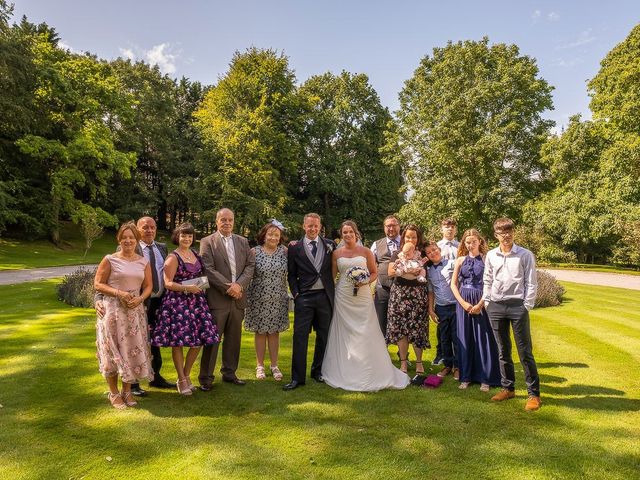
(408,320)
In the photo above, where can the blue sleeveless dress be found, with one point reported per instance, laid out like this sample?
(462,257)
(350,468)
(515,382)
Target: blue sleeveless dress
(477,348)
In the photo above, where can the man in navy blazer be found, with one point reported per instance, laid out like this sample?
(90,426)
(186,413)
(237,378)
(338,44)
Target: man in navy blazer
(311,284)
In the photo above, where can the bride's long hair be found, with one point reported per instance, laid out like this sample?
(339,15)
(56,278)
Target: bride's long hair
(352,224)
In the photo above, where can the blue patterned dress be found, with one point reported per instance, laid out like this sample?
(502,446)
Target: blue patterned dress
(184,319)
(477,348)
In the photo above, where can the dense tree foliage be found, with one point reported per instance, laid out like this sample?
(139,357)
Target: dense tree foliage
(100,142)
(342,173)
(592,209)
(470,131)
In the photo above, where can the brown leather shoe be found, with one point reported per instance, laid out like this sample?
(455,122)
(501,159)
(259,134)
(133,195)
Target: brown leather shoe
(444,372)
(503,394)
(533,404)
(456,374)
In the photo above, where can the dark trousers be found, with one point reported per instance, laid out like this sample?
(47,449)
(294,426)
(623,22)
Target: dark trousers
(447,334)
(512,313)
(156,356)
(312,310)
(229,323)
(381,301)
(439,353)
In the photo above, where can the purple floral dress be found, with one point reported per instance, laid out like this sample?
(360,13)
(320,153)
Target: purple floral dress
(184,319)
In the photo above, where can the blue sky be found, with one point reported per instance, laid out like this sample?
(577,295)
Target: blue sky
(384,39)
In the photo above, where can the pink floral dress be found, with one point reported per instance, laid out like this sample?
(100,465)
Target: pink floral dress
(122,334)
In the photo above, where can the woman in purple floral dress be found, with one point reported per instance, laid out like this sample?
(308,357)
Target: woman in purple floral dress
(408,320)
(184,319)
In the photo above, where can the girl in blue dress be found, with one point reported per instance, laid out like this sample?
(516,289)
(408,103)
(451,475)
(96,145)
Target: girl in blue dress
(477,350)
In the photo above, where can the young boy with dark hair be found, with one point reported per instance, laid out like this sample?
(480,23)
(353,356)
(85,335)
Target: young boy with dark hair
(510,286)
(448,250)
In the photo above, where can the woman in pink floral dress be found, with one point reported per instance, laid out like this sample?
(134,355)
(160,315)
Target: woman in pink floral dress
(124,278)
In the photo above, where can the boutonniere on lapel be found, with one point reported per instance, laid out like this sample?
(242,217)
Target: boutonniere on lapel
(293,243)
(328,246)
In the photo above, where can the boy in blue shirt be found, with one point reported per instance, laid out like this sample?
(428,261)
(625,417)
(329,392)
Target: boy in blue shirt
(442,306)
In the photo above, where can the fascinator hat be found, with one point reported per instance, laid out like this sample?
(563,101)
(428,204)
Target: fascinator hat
(278,224)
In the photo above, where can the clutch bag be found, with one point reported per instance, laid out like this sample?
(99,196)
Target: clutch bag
(200,282)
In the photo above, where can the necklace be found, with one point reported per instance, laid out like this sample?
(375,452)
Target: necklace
(187,255)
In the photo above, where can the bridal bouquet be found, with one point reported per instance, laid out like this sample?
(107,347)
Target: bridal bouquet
(357,275)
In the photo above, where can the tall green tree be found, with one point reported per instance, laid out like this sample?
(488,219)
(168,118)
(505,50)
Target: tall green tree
(150,132)
(593,206)
(250,125)
(470,129)
(68,155)
(342,174)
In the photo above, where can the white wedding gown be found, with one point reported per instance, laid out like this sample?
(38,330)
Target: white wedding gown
(356,357)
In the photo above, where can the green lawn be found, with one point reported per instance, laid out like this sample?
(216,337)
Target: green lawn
(17,254)
(589,267)
(56,422)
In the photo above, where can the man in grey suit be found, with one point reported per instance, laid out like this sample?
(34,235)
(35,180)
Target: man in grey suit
(229,263)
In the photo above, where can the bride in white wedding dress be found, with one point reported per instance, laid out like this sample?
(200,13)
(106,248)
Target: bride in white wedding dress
(356,357)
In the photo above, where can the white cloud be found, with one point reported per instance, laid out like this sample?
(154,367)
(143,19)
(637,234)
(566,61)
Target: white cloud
(553,16)
(128,53)
(584,38)
(536,15)
(66,46)
(160,55)
(567,63)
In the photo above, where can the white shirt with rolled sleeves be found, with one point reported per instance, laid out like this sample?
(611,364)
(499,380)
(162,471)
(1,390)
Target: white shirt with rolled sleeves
(510,276)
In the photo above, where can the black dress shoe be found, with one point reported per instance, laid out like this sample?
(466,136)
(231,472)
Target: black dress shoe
(206,387)
(293,385)
(138,391)
(318,378)
(235,381)
(160,382)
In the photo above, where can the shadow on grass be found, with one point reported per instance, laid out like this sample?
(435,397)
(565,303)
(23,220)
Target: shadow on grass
(314,431)
(562,364)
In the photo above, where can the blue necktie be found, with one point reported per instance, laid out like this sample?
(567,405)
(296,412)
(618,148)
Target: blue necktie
(314,248)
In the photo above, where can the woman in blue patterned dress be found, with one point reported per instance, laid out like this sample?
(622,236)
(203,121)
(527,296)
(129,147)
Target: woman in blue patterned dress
(267,311)
(477,350)
(184,319)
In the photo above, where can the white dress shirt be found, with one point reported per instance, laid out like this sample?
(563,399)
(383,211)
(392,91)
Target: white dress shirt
(510,276)
(231,254)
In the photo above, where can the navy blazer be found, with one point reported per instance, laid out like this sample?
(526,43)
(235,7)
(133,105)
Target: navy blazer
(302,275)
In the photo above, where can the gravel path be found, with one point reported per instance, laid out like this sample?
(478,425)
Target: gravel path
(618,280)
(9,277)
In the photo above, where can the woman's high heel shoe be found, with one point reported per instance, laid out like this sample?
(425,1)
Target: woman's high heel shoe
(128,399)
(115,396)
(419,368)
(183,387)
(277,374)
(403,365)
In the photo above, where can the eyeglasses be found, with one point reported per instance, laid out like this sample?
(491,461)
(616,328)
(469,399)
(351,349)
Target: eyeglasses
(389,225)
(504,234)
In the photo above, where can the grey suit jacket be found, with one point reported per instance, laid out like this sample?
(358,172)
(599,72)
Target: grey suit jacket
(216,264)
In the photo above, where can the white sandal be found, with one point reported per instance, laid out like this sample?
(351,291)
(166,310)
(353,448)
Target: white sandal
(464,385)
(113,397)
(277,374)
(128,399)
(260,375)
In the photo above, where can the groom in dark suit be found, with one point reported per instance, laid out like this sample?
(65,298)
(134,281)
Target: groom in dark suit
(311,284)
